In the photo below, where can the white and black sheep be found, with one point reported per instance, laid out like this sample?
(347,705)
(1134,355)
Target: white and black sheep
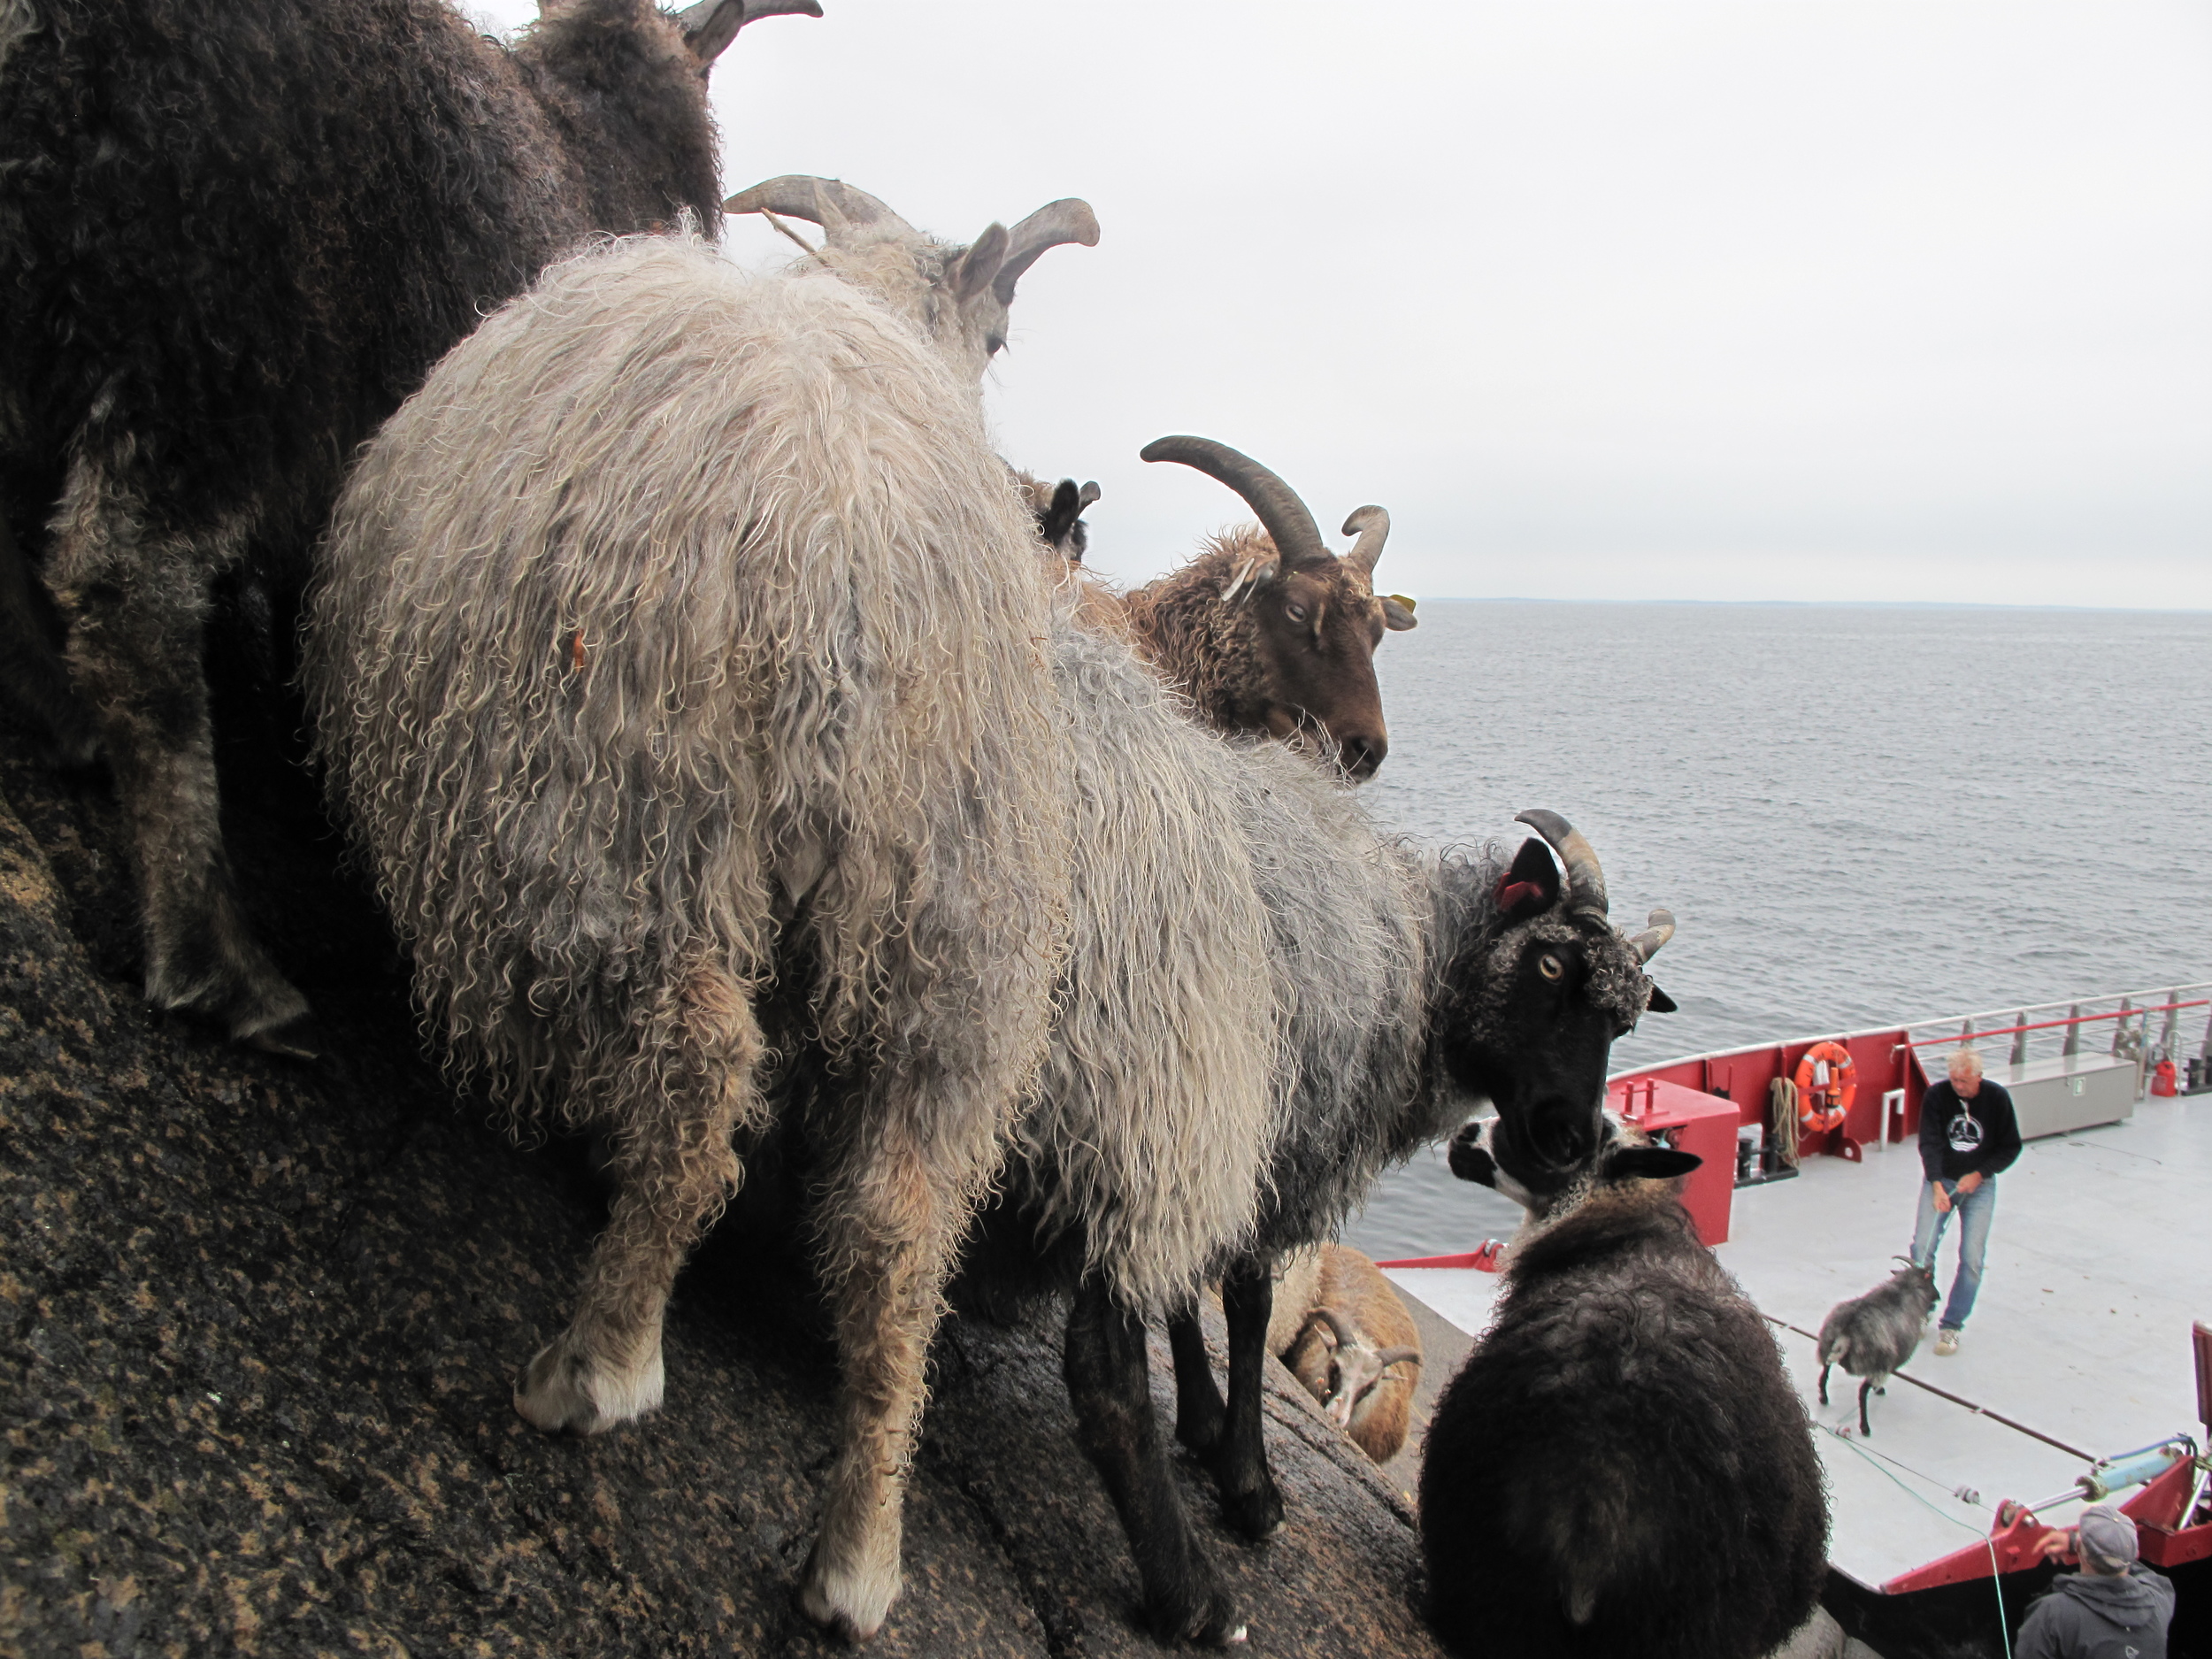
(232,237)
(1622,1470)
(680,662)
(1870,1336)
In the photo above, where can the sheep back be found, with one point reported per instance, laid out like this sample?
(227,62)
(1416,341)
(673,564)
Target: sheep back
(1148,1142)
(1622,1467)
(679,602)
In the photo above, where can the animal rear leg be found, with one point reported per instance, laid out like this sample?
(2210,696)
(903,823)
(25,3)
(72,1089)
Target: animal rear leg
(679,1102)
(1865,1388)
(136,611)
(1823,1385)
(1200,1417)
(893,1209)
(32,675)
(1106,1368)
(1249,1497)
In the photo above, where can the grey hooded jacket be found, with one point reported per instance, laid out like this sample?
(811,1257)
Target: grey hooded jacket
(2089,1616)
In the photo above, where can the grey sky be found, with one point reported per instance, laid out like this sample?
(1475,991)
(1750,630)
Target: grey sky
(1879,300)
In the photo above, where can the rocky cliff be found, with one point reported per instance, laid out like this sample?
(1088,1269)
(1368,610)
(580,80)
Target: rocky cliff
(259,1321)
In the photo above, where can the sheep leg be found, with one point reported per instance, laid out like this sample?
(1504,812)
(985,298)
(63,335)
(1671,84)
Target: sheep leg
(1865,1388)
(1199,1414)
(1249,1497)
(693,1083)
(1823,1385)
(136,611)
(33,678)
(897,1203)
(1109,1387)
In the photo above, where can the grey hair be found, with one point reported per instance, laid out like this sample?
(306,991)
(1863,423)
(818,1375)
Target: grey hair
(1964,1060)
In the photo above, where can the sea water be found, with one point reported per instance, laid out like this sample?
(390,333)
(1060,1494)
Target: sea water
(1859,816)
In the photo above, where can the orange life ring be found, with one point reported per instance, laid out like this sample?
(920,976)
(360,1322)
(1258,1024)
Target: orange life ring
(1825,1088)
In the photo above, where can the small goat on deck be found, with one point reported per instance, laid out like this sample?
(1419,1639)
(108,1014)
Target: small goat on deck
(1870,1336)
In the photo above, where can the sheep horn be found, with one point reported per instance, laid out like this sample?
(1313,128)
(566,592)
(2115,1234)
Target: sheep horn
(1372,525)
(1054,225)
(711,25)
(1346,1336)
(1659,928)
(1297,538)
(1586,879)
(1391,1357)
(831,204)
(1090,493)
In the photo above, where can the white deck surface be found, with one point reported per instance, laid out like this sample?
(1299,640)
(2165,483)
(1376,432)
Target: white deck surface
(2100,1257)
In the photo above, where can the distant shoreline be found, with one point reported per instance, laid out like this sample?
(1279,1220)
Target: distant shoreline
(1821,604)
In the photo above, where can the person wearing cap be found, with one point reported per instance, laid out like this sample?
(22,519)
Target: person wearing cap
(2113,1608)
(1968,1137)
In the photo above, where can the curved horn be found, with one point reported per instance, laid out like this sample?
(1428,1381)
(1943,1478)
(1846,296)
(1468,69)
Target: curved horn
(1347,1335)
(1586,879)
(1297,538)
(1054,225)
(1090,493)
(1658,928)
(1372,525)
(1391,1357)
(710,25)
(831,204)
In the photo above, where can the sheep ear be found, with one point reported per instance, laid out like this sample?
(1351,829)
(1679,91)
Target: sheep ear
(979,265)
(1067,506)
(1532,885)
(1650,1164)
(711,25)
(1398,613)
(1660,1003)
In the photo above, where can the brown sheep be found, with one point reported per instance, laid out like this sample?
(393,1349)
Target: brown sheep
(1342,1331)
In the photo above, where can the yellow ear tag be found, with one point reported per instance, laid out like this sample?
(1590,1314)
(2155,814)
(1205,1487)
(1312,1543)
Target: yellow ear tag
(1403,600)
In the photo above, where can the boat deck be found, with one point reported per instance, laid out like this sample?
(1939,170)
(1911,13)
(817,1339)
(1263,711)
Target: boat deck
(2099,1257)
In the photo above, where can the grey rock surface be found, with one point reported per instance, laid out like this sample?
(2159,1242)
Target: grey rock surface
(258,1321)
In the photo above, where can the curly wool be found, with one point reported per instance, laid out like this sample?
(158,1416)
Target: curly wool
(1206,647)
(677,598)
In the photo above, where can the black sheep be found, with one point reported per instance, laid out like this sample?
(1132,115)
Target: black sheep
(1622,1468)
(233,238)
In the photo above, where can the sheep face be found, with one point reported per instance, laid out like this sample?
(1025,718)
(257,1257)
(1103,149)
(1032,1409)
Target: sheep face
(1623,1154)
(1313,630)
(1531,1009)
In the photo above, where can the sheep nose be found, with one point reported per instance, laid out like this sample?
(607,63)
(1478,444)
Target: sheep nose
(1363,752)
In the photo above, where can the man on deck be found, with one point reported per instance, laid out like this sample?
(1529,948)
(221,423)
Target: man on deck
(2112,1607)
(1968,1137)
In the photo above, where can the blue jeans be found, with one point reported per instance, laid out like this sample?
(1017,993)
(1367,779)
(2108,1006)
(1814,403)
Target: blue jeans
(1975,1211)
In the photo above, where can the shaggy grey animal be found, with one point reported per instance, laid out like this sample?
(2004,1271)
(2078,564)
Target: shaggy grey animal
(1870,1336)
(1266,1003)
(680,662)
(1622,1470)
(232,237)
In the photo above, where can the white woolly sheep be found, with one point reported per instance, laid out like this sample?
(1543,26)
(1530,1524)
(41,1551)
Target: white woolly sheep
(680,662)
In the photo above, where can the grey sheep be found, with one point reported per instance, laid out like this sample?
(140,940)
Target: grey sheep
(1870,1336)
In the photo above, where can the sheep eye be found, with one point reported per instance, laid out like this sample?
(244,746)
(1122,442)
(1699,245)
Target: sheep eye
(1550,967)
(1296,612)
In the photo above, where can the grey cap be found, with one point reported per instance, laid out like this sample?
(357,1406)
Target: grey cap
(2107,1537)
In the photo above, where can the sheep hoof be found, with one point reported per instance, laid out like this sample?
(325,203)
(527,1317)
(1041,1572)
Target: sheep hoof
(1256,1514)
(850,1601)
(298,1037)
(1209,1619)
(564,1390)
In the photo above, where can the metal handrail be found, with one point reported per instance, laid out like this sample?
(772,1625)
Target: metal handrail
(2048,1024)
